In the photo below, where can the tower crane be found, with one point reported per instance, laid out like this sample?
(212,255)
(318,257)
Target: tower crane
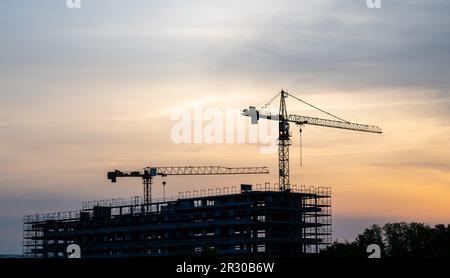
(148,173)
(284,134)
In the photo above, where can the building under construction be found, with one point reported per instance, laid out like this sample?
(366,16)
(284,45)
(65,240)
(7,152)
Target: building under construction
(260,221)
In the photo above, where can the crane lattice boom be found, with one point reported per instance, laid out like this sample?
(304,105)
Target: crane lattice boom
(305,120)
(209,170)
(148,173)
(334,124)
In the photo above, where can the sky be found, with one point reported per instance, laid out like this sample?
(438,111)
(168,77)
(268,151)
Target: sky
(84,91)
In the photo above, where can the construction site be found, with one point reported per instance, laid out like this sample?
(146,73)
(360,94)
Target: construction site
(261,220)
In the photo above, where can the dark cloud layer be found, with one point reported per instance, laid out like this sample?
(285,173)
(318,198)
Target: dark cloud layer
(404,44)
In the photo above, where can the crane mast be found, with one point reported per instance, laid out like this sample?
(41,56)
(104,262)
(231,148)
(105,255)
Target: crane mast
(284,142)
(284,133)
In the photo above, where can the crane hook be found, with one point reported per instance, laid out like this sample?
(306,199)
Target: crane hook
(164,190)
(301,152)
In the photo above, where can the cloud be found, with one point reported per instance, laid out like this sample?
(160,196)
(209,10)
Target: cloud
(350,46)
(332,43)
(89,90)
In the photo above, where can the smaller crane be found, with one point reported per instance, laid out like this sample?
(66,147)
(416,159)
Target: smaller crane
(148,173)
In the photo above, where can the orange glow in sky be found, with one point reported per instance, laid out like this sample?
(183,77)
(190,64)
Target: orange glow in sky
(90,90)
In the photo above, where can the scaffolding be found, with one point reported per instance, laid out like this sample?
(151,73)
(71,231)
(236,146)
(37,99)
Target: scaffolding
(48,233)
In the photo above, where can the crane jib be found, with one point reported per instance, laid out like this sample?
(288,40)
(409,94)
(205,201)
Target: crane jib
(303,120)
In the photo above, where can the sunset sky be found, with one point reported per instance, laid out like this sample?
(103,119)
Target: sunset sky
(84,91)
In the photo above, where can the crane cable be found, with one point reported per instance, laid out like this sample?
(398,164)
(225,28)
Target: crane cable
(315,107)
(301,148)
(270,101)
(309,104)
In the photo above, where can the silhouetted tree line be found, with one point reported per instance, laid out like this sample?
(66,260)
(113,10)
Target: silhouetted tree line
(397,240)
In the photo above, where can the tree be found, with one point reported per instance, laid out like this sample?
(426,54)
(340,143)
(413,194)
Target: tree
(372,235)
(397,240)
